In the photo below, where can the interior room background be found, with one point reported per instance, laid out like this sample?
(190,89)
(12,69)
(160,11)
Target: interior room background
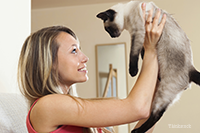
(18,20)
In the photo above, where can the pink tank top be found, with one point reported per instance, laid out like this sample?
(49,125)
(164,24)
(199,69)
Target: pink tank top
(62,129)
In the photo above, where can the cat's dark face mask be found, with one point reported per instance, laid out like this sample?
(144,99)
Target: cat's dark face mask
(113,31)
(109,24)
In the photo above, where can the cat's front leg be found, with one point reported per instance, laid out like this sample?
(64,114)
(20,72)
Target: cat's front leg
(137,41)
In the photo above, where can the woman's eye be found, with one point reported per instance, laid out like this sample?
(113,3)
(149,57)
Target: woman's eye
(74,51)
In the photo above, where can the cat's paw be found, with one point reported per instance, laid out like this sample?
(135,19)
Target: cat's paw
(133,72)
(133,65)
(135,131)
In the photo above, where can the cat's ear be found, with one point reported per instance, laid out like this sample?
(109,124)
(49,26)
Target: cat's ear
(102,16)
(109,14)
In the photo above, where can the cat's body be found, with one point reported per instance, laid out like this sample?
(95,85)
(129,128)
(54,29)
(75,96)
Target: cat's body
(176,69)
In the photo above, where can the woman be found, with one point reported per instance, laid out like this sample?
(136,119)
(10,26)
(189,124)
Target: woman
(51,61)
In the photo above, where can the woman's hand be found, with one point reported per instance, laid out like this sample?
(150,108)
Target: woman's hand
(153,29)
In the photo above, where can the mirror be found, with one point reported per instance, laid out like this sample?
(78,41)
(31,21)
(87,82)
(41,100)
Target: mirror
(111,73)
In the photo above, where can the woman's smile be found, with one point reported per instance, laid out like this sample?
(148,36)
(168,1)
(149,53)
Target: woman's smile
(83,69)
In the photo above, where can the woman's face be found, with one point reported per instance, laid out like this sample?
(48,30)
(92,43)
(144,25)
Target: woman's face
(71,61)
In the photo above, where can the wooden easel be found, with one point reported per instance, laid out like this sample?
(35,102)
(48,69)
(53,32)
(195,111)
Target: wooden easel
(112,73)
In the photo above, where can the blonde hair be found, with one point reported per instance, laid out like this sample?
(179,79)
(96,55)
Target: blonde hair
(36,74)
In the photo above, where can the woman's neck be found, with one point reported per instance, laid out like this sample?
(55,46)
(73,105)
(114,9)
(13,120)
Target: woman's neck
(64,88)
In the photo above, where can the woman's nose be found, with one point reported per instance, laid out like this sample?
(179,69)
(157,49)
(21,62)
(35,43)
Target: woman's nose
(84,58)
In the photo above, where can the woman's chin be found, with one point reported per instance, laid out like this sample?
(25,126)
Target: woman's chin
(84,79)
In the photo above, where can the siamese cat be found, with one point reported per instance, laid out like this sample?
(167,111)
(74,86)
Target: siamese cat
(176,70)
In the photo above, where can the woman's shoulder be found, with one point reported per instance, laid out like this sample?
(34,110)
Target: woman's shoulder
(54,105)
(51,101)
(49,109)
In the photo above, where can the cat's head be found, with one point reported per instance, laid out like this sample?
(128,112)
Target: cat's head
(113,19)
(118,17)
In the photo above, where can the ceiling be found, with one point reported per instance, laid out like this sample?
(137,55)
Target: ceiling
(37,4)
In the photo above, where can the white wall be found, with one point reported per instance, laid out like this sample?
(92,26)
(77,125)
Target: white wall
(15,27)
(90,31)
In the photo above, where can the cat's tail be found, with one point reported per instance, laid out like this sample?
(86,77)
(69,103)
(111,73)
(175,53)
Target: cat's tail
(194,76)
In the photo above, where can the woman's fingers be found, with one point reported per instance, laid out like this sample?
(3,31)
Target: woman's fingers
(159,27)
(153,29)
(149,18)
(162,23)
(148,24)
(156,18)
(144,11)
